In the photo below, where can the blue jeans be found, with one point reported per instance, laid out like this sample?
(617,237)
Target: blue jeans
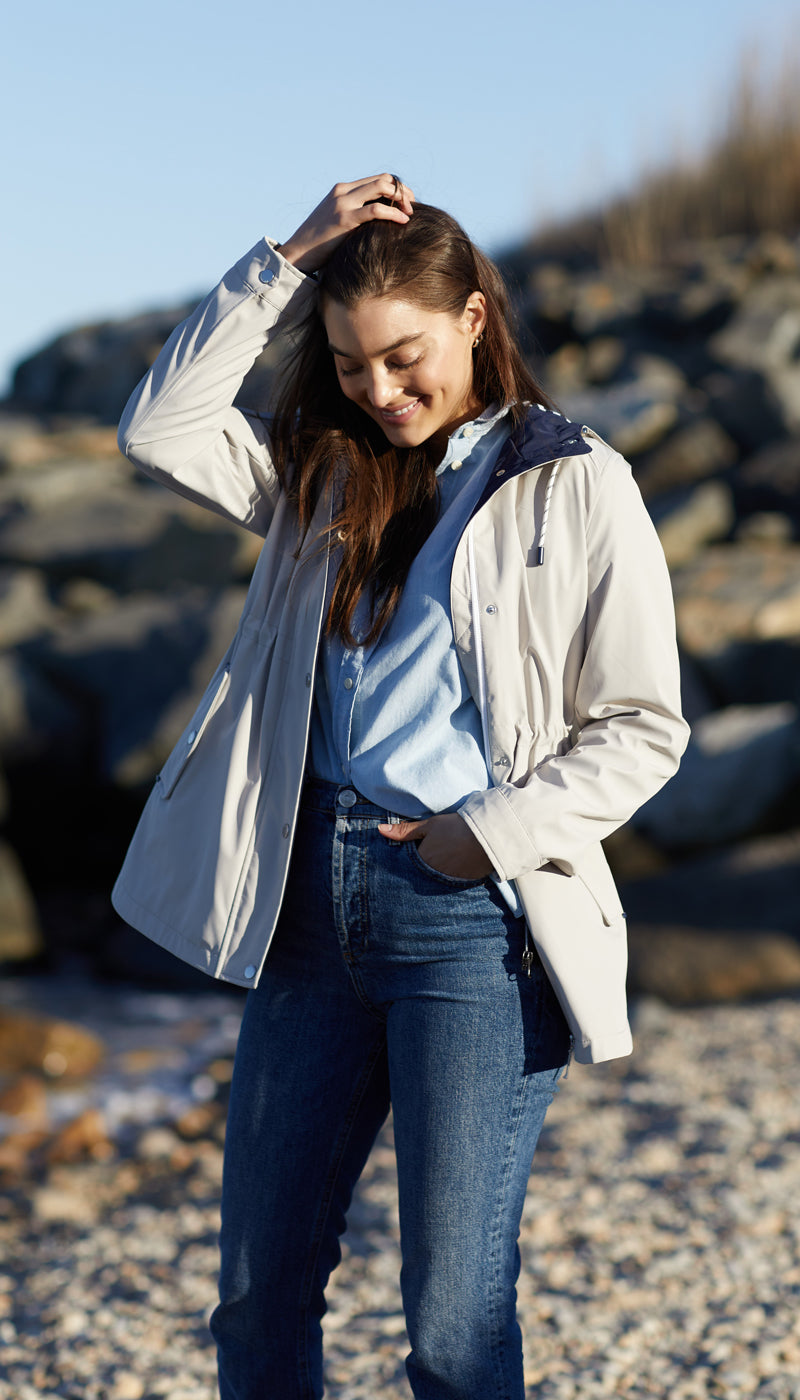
(387,982)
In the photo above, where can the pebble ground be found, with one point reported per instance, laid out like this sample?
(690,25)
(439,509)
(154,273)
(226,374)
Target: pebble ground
(660,1243)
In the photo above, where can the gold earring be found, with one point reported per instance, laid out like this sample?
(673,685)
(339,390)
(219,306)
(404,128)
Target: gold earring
(477,340)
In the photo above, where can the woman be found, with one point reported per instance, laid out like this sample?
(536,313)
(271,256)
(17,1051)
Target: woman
(454,674)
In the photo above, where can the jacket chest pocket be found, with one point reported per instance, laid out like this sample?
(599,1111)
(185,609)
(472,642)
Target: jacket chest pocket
(193,733)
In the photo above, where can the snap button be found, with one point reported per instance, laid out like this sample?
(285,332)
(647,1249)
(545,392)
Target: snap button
(285,830)
(492,608)
(348,684)
(347,798)
(190,738)
(266,275)
(501,472)
(249,971)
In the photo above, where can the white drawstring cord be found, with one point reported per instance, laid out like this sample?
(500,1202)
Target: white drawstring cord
(551,481)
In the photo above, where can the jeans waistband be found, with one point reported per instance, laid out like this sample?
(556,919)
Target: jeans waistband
(343,800)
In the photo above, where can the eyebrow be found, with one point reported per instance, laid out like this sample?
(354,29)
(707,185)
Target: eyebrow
(387,349)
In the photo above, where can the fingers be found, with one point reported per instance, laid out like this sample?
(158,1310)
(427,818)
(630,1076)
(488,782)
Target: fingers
(347,206)
(358,198)
(403,831)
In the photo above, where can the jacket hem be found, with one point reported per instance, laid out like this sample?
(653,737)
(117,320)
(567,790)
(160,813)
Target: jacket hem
(149,924)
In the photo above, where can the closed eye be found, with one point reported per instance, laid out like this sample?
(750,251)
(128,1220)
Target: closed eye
(397,365)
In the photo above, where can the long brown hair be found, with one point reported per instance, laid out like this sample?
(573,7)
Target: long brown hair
(386,497)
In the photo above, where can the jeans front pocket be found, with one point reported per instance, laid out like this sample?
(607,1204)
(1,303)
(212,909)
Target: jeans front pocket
(454,882)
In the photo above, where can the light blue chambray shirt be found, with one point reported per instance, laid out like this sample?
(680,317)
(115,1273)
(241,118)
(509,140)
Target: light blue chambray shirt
(396,719)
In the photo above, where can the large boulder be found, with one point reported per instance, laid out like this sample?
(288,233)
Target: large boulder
(135,673)
(721,927)
(764,335)
(740,763)
(92,369)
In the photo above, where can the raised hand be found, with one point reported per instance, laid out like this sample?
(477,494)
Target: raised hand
(348,204)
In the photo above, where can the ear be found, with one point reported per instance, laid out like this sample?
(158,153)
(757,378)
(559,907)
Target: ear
(475,314)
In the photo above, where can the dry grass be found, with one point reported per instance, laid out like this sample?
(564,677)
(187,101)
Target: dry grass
(746,182)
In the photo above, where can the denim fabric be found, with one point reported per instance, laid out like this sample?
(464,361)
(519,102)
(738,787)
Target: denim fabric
(387,982)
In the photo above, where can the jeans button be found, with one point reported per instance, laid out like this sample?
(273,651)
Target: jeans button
(347,798)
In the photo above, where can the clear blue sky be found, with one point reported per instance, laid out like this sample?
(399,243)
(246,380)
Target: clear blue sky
(147,145)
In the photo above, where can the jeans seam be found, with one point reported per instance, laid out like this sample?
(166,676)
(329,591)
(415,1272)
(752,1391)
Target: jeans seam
(304,1367)
(497,1238)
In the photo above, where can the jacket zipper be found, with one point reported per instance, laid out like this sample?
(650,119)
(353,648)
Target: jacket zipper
(529,951)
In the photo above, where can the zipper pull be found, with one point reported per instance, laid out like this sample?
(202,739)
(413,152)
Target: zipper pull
(527,961)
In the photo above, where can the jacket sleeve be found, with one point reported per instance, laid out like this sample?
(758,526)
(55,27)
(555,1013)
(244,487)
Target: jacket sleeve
(179,425)
(628,733)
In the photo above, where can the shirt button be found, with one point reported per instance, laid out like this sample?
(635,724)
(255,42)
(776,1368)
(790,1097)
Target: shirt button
(266,275)
(454,466)
(190,738)
(468,432)
(285,831)
(347,798)
(348,684)
(249,971)
(308,678)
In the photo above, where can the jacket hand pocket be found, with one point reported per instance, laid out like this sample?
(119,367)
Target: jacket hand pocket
(193,733)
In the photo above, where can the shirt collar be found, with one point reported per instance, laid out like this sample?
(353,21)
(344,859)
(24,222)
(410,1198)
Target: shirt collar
(462,441)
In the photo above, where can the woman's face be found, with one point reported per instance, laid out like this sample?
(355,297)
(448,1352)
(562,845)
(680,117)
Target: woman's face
(408,368)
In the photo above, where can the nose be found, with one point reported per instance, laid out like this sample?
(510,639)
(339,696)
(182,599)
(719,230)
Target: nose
(379,389)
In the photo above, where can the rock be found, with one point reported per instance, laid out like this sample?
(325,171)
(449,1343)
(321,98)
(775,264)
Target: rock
(20,932)
(84,1138)
(93,368)
(68,486)
(605,355)
(687,524)
(138,671)
(85,595)
(628,416)
(25,607)
(59,1049)
(63,1205)
(157,1143)
(744,405)
(739,763)
(737,592)
(128,537)
(766,527)
(17,1150)
(126,1385)
(764,335)
(697,450)
(770,480)
(772,252)
(198,1121)
(17,434)
(37,721)
(25,443)
(752,889)
(685,966)
(26,1098)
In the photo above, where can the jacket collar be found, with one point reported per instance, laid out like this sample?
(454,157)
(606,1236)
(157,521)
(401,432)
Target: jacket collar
(543,436)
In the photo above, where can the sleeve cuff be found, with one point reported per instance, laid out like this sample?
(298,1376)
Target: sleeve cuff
(493,822)
(267,274)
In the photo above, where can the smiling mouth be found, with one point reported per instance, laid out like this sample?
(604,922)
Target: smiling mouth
(399,415)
